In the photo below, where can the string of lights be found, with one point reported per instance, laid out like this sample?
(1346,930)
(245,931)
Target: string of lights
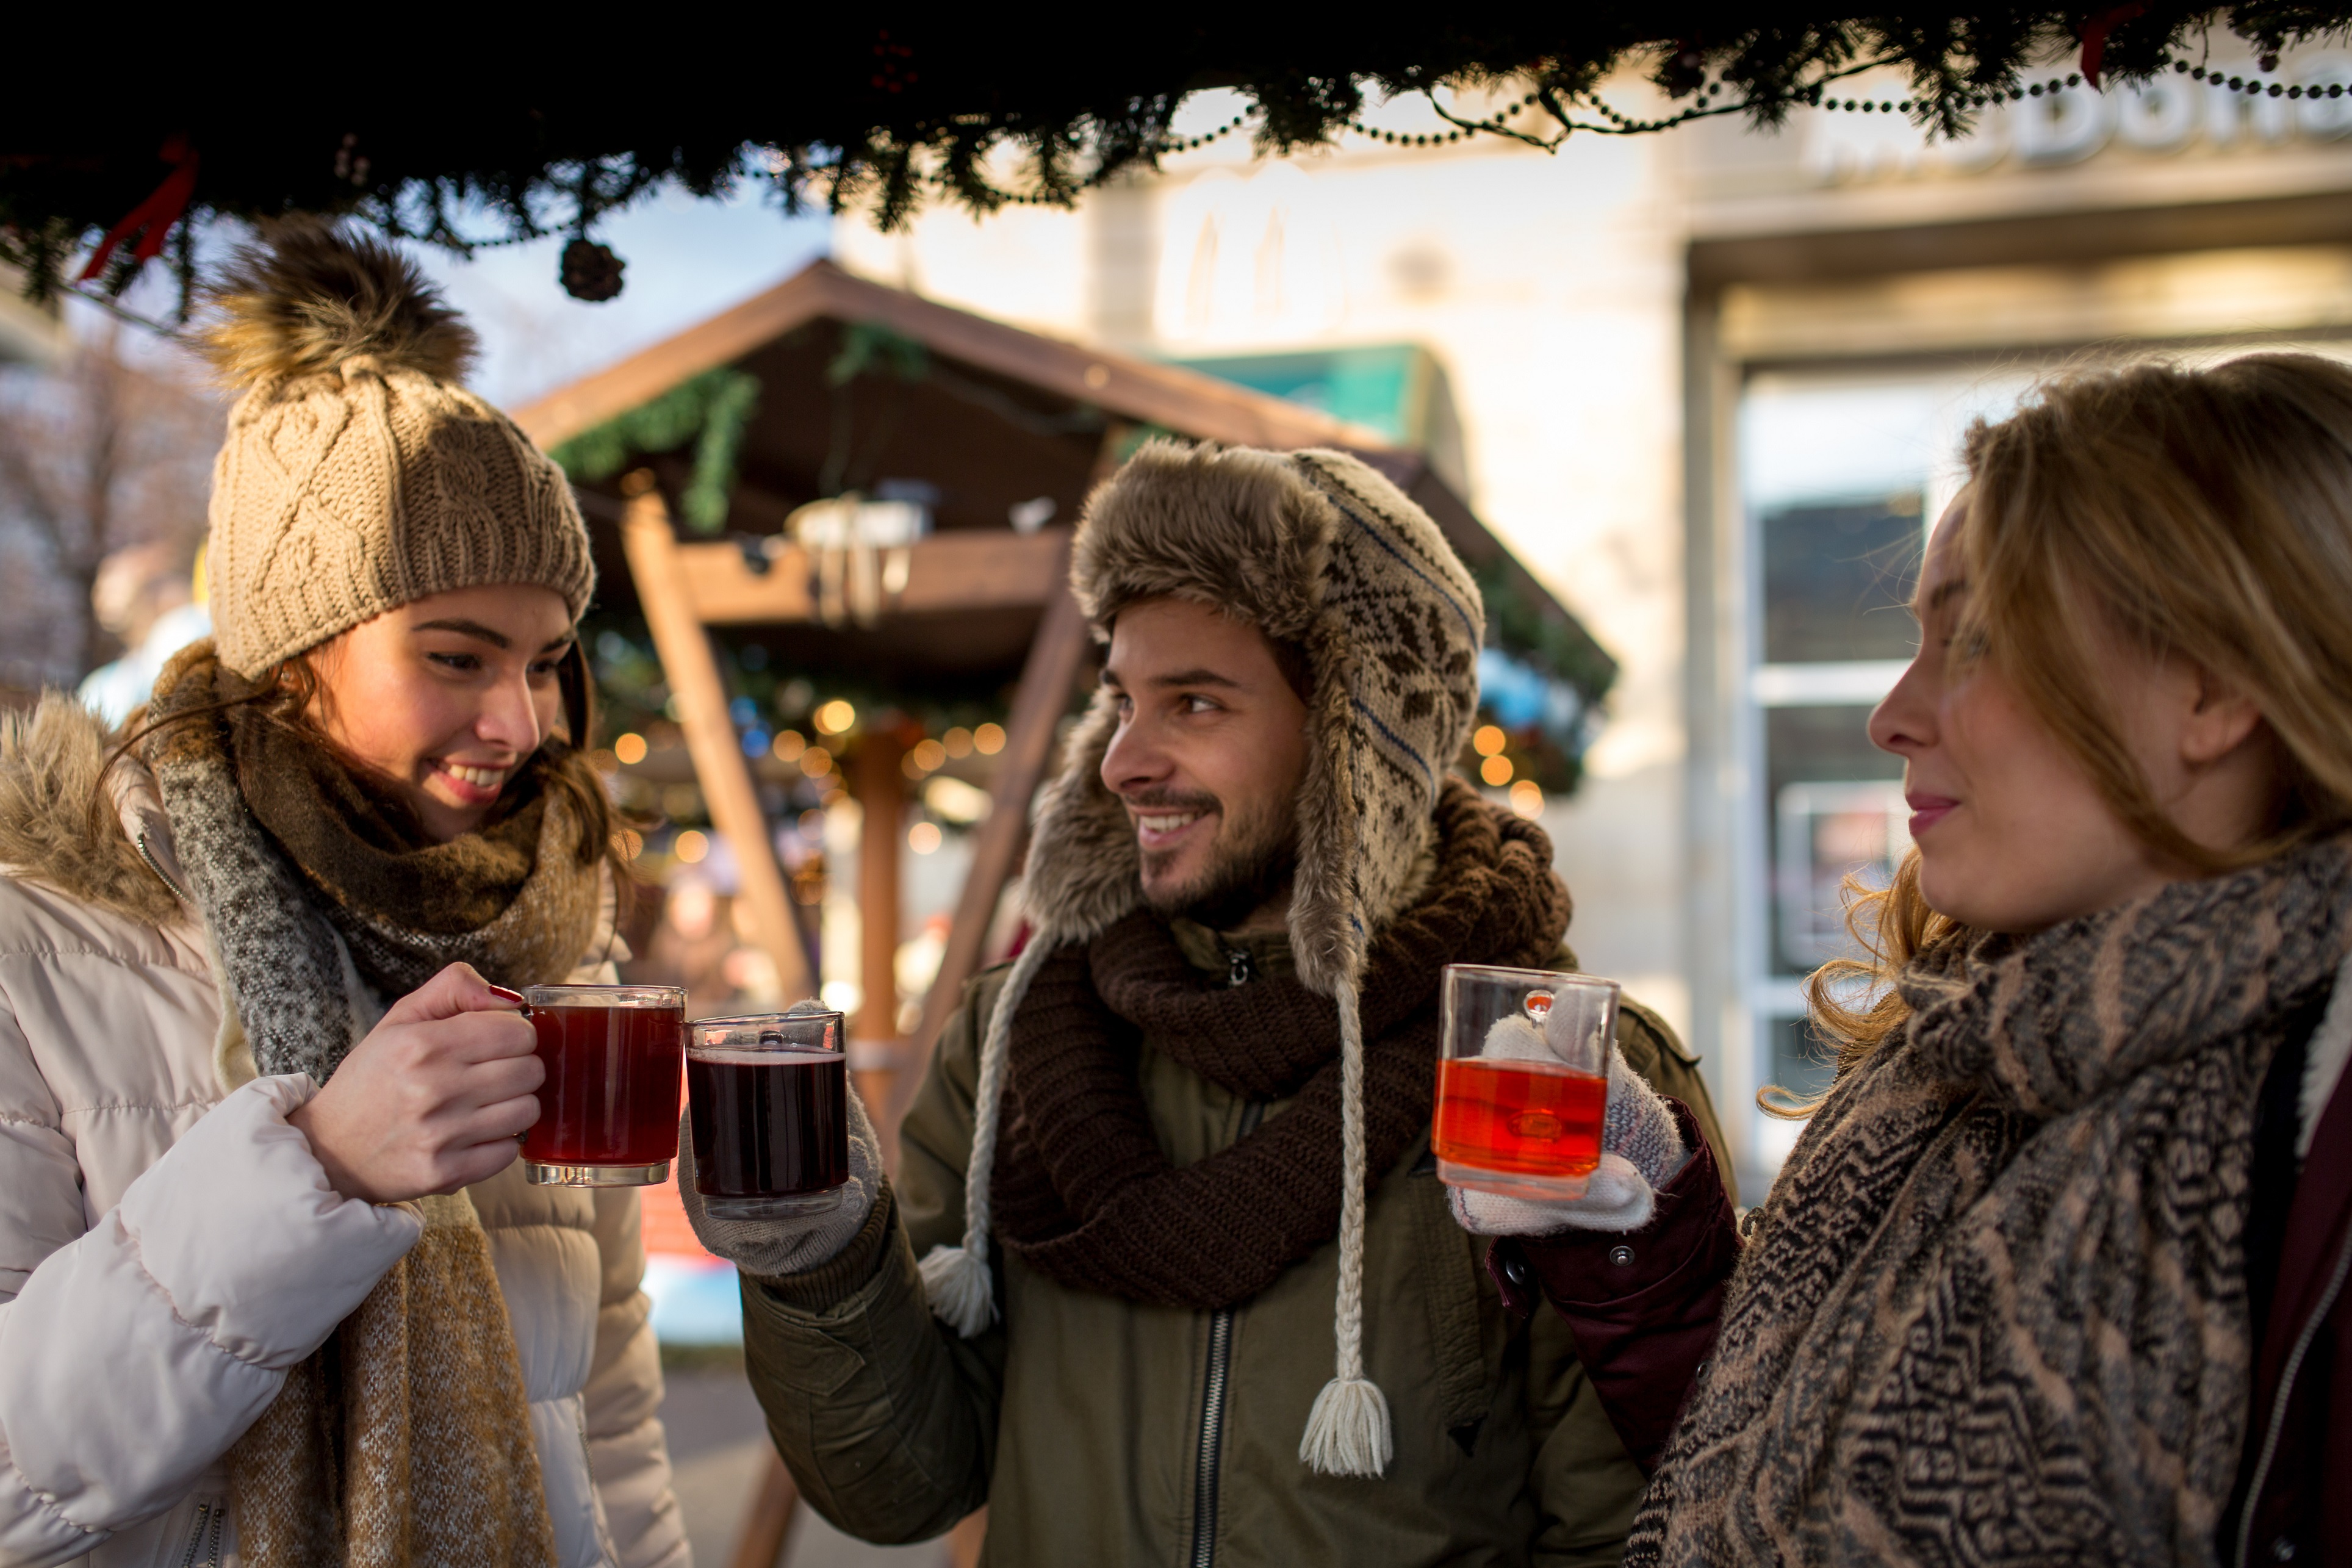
(1815,96)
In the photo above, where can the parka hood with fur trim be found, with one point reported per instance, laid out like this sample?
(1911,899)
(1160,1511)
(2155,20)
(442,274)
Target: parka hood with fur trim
(70,823)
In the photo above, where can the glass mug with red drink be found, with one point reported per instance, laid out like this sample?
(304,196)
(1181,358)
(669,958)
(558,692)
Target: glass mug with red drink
(769,1098)
(608,1111)
(1524,1080)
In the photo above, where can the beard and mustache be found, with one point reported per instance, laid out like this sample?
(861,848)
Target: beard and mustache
(1250,861)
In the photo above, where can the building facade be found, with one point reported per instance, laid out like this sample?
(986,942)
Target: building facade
(1711,384)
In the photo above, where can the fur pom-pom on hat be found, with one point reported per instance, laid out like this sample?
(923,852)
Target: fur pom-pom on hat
(358,474)
(313,296)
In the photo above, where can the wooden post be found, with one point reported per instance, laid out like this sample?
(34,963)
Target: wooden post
(768,1524)
(880,783)
(710,740)
(966,1538)
(1054,659)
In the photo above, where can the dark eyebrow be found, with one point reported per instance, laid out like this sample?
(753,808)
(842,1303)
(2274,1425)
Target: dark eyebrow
(1200,677)
(1942,593)
(481,633)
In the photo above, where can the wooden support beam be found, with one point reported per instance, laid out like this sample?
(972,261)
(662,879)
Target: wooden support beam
(710,740)
(970,569)
(880,783)
(768,1522)
(966,1540)
(1054,662)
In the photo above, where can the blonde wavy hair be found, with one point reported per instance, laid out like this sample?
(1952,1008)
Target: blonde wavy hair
(2198,514)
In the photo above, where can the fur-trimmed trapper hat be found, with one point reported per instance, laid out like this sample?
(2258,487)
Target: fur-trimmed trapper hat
(358,474)
(1319,551)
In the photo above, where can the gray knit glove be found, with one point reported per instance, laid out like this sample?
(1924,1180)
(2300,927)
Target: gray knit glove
(772,1249)
(1641,1151)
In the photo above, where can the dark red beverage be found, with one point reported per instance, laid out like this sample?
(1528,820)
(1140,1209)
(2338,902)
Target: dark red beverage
(611,1094)
(771,1127)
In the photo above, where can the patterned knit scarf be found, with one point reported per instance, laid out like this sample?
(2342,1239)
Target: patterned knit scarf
(406,1438)
(1995,1309)
(1083,1192)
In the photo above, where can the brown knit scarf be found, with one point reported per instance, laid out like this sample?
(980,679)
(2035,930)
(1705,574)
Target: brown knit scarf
(406,906)
(1995,1309)
(406,1438)
(1082,1191)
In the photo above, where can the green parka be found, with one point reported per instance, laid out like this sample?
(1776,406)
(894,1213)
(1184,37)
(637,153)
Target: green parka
(1099,1431)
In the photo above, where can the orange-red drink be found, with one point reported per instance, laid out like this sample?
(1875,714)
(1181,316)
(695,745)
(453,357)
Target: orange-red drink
(1517,1118)
(1522,1079)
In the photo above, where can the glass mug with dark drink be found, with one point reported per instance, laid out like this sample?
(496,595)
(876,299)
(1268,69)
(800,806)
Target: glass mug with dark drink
(1524,1080)
(608,1111)
(769,1098)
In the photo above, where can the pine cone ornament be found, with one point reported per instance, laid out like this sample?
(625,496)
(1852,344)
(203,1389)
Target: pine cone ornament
(591,271)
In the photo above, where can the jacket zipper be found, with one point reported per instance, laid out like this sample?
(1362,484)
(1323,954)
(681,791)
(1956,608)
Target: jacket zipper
(1211,1453)
(153,864)
(206,1513)
(1212,1435)
(2311,1327)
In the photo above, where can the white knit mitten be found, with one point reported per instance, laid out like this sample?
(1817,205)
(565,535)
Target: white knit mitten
(772,1249)
(1641,1151)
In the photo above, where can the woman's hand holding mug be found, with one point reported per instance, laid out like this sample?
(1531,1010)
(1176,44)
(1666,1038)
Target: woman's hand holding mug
(1642,1150)
(434,1099)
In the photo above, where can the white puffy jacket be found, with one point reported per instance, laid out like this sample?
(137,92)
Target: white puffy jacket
(169,1248)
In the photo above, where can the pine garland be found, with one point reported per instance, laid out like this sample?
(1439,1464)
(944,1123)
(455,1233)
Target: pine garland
(711,410)
(963,108)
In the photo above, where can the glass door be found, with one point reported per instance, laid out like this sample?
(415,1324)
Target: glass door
(1841,478)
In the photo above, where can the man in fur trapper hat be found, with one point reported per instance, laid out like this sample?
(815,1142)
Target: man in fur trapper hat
(1155,1151)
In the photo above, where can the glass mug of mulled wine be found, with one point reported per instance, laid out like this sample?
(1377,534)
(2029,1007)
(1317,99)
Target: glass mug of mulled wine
(1523,1082)
(608,1111)
(768,1099)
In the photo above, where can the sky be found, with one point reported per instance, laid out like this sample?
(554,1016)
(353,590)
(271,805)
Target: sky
(687,259)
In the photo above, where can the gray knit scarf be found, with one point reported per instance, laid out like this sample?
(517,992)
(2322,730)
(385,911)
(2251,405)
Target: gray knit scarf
(406,1438)
(298,912)
(1996,1307)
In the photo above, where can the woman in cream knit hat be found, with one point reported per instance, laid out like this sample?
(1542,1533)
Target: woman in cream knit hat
(272,1288)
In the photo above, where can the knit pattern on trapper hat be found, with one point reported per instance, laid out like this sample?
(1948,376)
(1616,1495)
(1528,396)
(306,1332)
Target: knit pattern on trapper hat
(358,473)
(1314,549)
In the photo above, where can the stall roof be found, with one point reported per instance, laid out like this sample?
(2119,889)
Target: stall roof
(863,386)
(1130,389)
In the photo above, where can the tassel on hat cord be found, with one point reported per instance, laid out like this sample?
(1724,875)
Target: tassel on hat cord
(956,1280)
(1348,1430)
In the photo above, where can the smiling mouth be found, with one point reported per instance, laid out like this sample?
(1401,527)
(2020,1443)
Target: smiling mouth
(483,784)
(1159,828)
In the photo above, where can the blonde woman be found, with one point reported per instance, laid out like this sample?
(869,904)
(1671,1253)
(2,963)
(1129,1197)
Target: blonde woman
(272,1288)
(2056,1272)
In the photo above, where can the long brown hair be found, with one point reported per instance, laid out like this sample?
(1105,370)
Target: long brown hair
(2204,515)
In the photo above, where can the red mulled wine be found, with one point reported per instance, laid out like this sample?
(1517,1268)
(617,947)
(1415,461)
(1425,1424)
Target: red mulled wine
(769,1099)
(608,1109)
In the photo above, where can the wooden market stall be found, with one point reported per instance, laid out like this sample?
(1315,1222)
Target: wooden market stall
(700,458)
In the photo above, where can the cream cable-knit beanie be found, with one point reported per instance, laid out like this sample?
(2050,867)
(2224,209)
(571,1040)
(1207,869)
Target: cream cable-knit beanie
(1317,550)
(358,474)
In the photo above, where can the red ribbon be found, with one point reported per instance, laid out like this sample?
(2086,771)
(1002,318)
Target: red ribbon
(2094,37)
(165,207)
